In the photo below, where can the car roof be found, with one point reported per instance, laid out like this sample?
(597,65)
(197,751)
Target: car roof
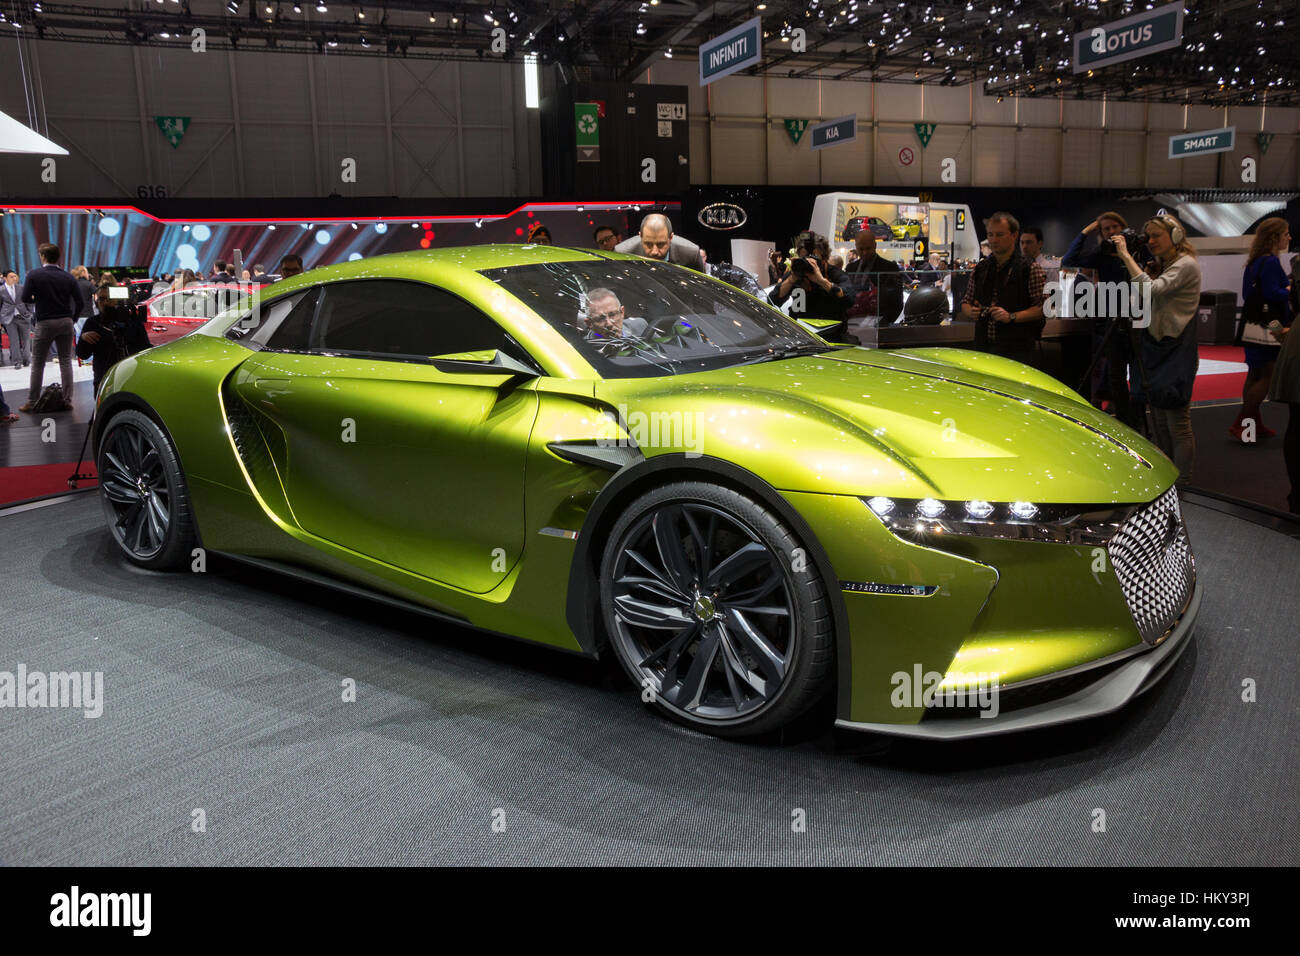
(435,264)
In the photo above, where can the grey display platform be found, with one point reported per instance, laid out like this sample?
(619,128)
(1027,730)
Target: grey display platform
(223,694)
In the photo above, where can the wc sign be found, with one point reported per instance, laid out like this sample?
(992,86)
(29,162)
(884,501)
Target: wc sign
(1130,38)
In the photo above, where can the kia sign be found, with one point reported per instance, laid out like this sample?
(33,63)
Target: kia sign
(1130,38)
(836,131)
(734,50)
(722,216)
(1206,141)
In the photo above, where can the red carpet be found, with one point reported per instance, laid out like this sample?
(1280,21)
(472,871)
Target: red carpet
(1223,386)
(33,481)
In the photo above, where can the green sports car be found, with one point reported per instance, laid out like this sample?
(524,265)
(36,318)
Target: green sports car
(613,455)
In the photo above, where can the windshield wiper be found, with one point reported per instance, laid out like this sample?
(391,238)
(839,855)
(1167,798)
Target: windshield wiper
(790,351)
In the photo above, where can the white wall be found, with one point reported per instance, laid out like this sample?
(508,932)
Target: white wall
(738,136)
(269,124)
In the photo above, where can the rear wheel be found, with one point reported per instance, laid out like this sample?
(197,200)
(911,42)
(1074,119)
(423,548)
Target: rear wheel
(715,610)
(143,491)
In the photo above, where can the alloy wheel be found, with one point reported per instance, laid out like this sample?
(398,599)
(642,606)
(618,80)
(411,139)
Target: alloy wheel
(702,610)
(133,482)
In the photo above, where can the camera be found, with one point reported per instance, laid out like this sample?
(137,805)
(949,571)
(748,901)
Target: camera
(1134,241)
(801,267)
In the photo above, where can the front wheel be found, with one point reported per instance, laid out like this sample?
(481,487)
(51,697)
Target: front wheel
(143,492)
(715,610)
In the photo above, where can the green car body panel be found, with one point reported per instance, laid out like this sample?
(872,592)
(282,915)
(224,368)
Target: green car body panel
(449,493)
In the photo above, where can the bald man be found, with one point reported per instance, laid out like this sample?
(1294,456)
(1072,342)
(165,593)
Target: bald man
(656,241)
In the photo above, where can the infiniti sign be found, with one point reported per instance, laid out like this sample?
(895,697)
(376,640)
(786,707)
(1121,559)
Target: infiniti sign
(722,216)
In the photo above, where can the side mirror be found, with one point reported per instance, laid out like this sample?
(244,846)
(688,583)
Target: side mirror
(482,362)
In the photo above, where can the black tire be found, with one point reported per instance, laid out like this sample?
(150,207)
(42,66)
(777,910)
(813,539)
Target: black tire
(144,494)
(731,631)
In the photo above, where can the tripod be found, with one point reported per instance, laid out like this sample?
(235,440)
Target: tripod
(1135,352)
(76,472)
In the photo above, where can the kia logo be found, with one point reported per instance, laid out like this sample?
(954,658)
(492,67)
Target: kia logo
(722,216)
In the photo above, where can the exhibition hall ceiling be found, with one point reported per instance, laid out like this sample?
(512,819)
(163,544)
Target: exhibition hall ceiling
(1233,52)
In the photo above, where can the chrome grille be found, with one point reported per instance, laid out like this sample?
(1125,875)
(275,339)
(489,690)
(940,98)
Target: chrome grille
(1153,560)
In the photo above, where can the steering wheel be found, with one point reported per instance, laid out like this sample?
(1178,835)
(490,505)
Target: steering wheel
(666,325)
(612,345)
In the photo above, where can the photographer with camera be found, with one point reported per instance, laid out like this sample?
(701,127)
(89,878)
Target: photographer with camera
(1167,358)
(116,332)
(824,286)
(1116,338)
(1006,294)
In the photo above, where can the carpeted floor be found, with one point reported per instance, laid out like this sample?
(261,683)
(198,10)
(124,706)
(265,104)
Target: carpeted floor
(222,692)
(1251,472)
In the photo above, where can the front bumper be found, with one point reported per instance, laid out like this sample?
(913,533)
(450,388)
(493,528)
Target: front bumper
(1116,687)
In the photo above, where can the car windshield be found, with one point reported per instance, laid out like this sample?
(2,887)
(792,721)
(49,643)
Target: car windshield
(633,319)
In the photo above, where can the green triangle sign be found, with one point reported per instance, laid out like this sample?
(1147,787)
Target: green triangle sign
(924,131)
(1263,139)
(173,127)
(795,128)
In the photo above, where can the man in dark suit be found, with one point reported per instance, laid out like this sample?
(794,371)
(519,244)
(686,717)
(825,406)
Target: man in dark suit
(656,241)
(16,317)
(876,282)
(58,302)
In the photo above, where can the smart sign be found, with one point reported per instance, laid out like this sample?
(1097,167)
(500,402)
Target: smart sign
(1206,141)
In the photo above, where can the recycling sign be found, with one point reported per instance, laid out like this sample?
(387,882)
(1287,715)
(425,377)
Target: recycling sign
(586,127)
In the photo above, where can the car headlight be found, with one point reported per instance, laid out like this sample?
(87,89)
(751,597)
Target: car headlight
(920,519)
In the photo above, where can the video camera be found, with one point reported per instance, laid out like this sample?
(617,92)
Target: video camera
(1135,242)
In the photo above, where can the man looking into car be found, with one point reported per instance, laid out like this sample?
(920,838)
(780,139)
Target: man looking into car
(656,241)
(875,282)
(604,317)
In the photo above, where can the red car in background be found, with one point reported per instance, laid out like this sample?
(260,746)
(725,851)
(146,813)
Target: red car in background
(178,312)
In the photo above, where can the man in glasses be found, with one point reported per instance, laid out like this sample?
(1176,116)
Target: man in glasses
(604,317)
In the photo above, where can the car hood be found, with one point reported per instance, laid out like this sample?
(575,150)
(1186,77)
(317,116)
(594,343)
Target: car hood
(866,421)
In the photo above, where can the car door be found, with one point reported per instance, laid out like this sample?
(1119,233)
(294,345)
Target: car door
(381,452)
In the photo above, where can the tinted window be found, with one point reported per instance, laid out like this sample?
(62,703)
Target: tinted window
(257,325)
(290,333)
(400,320)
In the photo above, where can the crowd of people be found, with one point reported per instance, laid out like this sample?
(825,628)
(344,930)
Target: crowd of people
(1149,366)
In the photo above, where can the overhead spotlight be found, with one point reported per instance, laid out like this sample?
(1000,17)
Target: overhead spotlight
(361,13)
(321,8)
(297,8)
(478,224)
(354,225)
(364,41)
(233,6)
(332,42)
(270,227)
(668,54)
